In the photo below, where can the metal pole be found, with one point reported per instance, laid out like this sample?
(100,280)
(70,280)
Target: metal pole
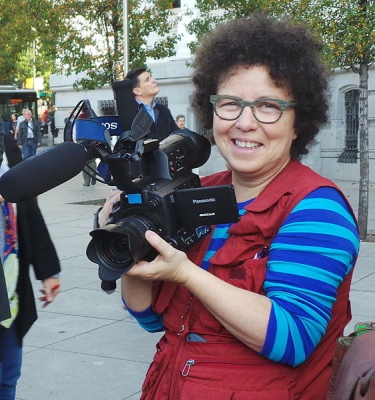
(34,63)
(126,45)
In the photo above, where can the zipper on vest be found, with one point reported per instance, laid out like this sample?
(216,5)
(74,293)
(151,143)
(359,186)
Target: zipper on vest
(186,369)
(189,363)
(174,367)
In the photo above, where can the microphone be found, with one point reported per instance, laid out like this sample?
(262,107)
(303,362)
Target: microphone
(42,172)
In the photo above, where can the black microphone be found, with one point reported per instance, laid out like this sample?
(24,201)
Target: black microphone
(42,172)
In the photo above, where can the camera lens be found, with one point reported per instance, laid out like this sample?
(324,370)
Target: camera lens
(196,149)
(117,247)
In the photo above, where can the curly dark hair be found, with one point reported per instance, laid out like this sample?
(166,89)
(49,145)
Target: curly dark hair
(133,75)
(289,51)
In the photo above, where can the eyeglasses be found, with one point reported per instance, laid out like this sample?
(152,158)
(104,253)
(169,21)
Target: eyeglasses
(266,111)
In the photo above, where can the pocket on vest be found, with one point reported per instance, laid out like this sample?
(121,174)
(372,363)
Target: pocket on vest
(235,380)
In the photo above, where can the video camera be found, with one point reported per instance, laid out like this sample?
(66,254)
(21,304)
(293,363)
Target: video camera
(160,191)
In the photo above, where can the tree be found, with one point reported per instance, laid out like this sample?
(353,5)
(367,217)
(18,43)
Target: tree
(212,12)
(81,36)
(22,24)
(347,29)
(93,40)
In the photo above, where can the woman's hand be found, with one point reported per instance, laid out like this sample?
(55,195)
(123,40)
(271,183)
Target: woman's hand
(112,198)
(170,265)
(249,322)
(51,287)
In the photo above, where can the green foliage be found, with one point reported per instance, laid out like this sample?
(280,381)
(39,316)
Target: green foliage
(212,12)
(94,43)
(74,36)
(22,24)
(347,28)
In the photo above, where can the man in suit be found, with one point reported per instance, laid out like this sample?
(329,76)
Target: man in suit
(145,90)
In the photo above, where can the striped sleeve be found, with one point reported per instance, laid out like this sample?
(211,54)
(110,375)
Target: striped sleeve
(147,319)
(313,251)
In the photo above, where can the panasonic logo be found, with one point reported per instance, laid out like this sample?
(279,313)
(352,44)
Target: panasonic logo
(211,214)
(209,200)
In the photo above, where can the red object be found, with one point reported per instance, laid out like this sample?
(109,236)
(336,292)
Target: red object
(44,116)
(223,367)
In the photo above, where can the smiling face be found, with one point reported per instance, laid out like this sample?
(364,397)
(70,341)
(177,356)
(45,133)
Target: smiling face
(254,151)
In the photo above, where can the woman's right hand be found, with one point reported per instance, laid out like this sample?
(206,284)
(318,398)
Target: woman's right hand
(112,198)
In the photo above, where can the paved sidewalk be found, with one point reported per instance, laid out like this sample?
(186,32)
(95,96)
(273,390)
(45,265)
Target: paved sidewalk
(84,345)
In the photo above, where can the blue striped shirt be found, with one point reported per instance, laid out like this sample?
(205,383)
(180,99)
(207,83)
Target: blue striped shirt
(313,251)
(309,257)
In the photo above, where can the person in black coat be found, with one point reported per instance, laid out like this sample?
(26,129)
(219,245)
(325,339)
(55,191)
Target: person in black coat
(29,135)
(145,89)
(35,247)
(4,304)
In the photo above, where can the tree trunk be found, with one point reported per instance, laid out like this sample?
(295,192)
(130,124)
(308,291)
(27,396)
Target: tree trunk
(363,152)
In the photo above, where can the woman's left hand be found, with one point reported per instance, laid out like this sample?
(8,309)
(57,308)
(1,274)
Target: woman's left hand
(170,264)
(249,322)
(51,287)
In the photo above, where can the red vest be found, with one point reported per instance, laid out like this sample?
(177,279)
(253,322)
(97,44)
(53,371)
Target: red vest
(223,368)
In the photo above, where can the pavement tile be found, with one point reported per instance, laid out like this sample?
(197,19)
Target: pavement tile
(62,375)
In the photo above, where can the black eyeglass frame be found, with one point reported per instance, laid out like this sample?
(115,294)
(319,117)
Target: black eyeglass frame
(284,104)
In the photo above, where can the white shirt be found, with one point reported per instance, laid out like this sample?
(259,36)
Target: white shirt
(30,132)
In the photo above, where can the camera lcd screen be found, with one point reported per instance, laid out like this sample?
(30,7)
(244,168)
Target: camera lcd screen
(209,205)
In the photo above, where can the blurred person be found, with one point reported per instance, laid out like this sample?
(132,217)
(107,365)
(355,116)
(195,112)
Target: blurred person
(180,121)
(44,119)
(12,124)
(20,118)
(253,310)
(25,241)
(29,135)
(89,172)
(51,121)
(90,169)
(12,152)
(68,117)
(4,303)
(2,135)
(145,89)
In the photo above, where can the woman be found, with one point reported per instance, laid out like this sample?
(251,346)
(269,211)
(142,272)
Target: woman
(253,311)
(25,241)
(12,124)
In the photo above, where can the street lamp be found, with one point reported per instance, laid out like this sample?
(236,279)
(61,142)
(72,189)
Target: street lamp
(34,31)
(34,63)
